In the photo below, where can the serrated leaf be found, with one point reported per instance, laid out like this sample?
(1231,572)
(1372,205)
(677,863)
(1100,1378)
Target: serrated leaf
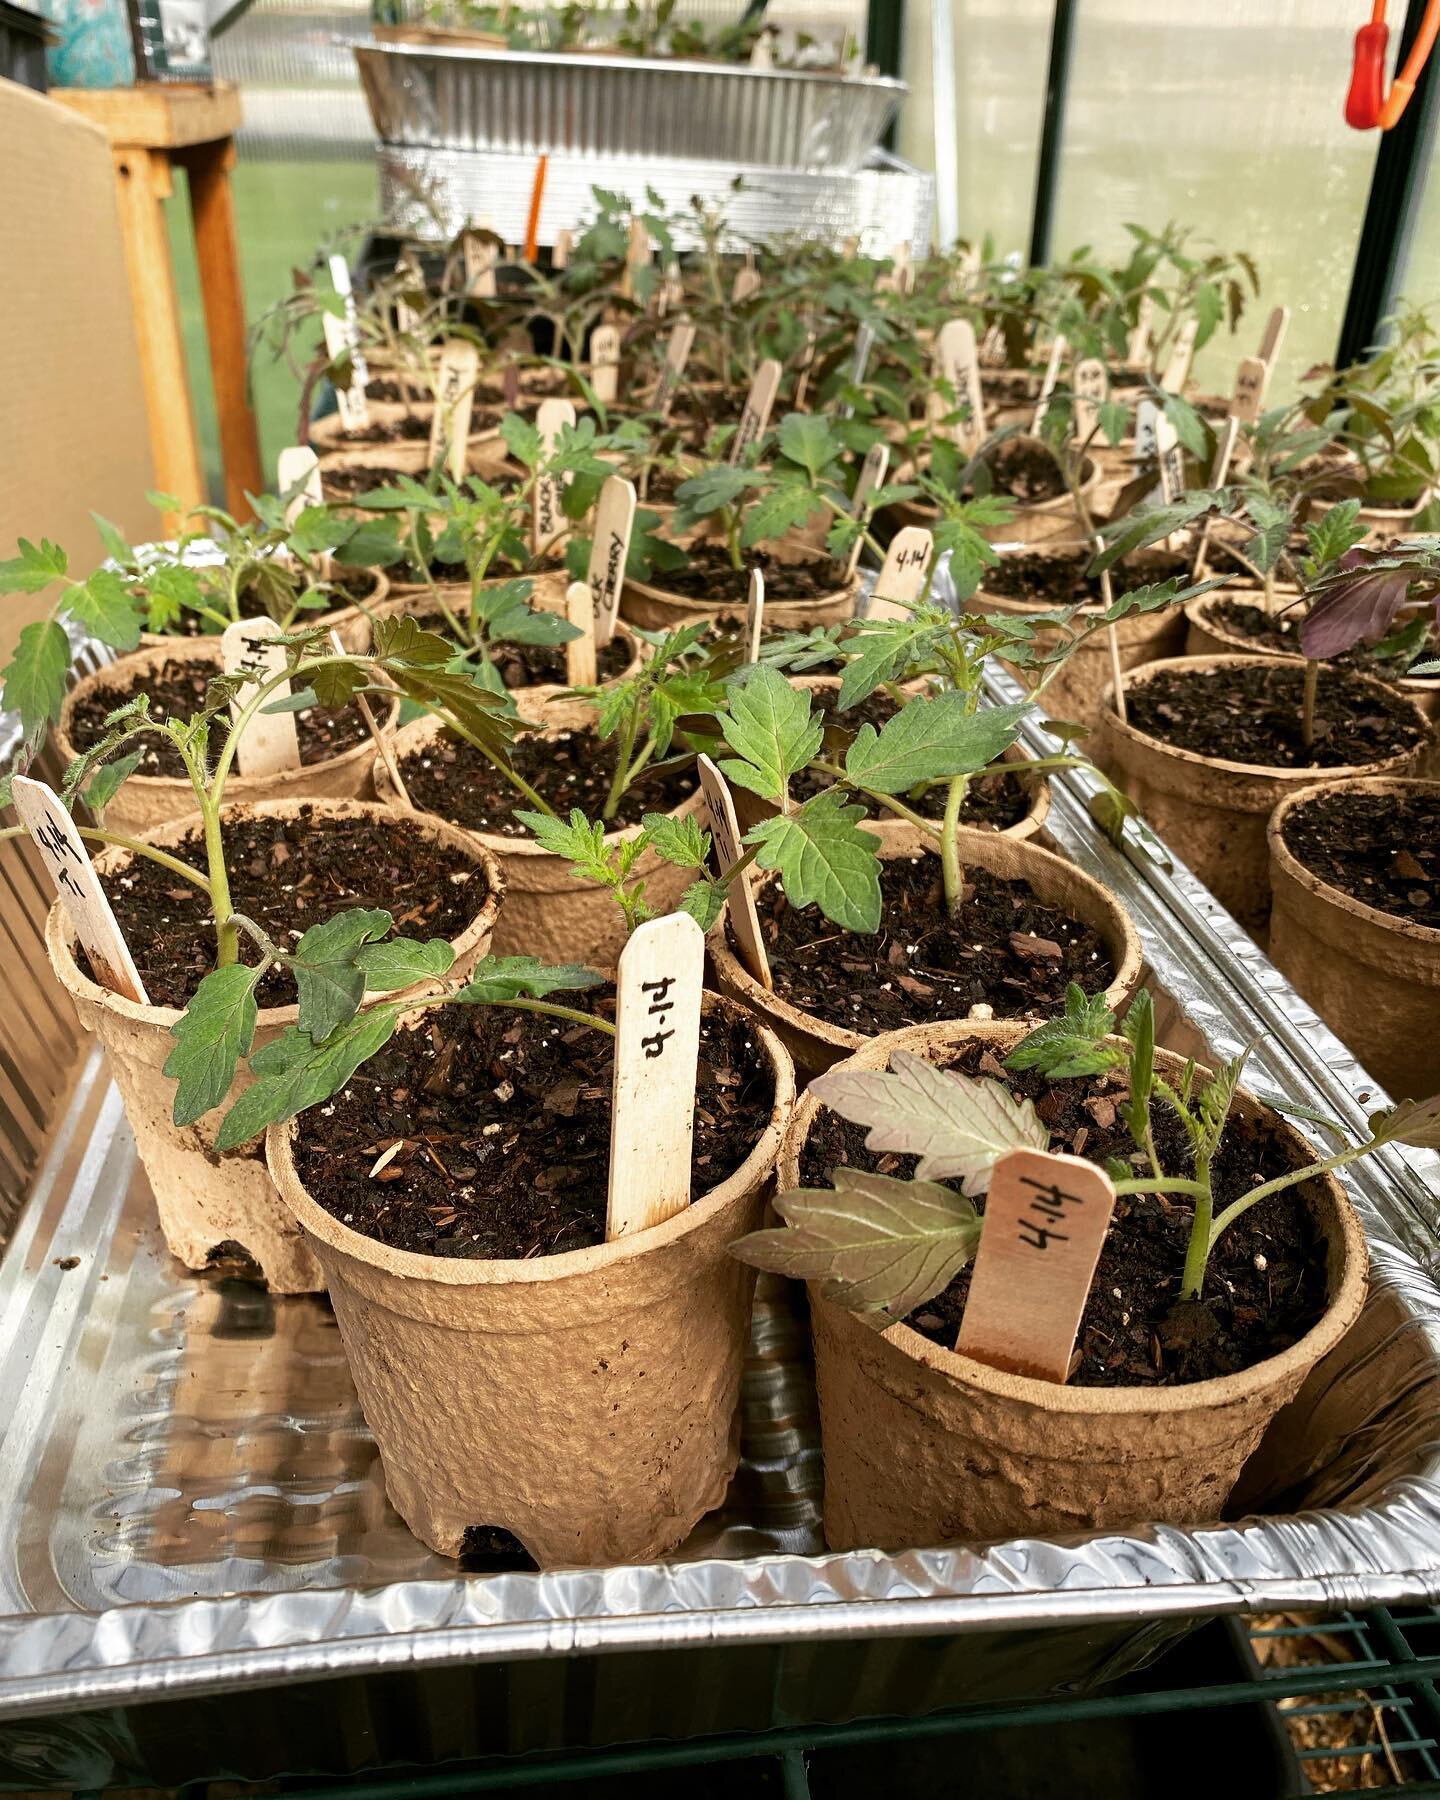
(32,683)
(105,606)
(399,962)
(327,971)
(1414,1122)
(704,901)
(515,977)
(785,508)
(404,639)
(522,439)
(769,724)
(825,859)
(216,1029)
(708,492)
(806,438)
(34,568)
(677,841)
(931,740)
(1147,525)
(294,1072)
(872,1242)
(107,781)
(1188,425)
(959,1127)
(1071,1045)
(881,651)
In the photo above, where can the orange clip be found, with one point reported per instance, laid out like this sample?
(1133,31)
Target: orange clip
(1367,104)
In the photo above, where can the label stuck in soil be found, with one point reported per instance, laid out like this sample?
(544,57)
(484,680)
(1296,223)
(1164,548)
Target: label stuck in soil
(902,579)
(1059,350)
(872,474)
(482,255)
(1275,328)
(1251,379)
(455,398)
(957,363)
(754,616)
(605,363)
(657,1050)
(1137,351)
(727,850)
(297,474)
(270,741)
(1045,1221)
(580,668)
(547,519)
(756,414)
(1182,354)
(746,287)
(354,408)
(67,863)
(1090,386)
(677,353)
(609,550)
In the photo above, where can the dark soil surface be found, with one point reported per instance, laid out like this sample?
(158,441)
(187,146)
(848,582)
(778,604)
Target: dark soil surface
(503,1119)
(1025,471)
(1280,632)
(1383,850)
(1006,950)
(1004,387)
(530,665)
(286,875)
(1252,715)
(1046,581)
(1264,1288)
(996,801)
(177,691)
(572,768)
(345,481)
(414,428)
(709,576)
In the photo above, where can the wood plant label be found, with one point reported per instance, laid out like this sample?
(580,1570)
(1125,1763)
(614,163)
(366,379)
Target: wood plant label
(872,475)
(901,581)
(455,399)
(1090,386)
(580,666)
(340,279)
(754,616)
(560,251)
(270,741)
(1137,351)
(1045,1221)
(1058,351)
(1171,458)
(605,363)
(957,363)
(354,408)
(657,1051)
(747,286)
(1251,380)
(1182,354)
(547,512)
(677,353)
(67,863)
(609,552)
(756,414)
(482,255)
(727,850)
(297,473)
(1275,328)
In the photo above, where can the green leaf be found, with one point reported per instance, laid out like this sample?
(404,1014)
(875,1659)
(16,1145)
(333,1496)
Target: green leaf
(106,782)
(294,1072)
(872,1242)
(522,439)
(113,539)
(374,543)
(824,858)
(400,962)
(34,568)
(806,438)
(704,901)
(1147,525)
(327,971)
(959,1126)
(708,492)
(403,639)
(517,977)
(1071,1045)
(677,841)
(931,740)
(769,724)
(881,650)
(107,609)
(1414,1122)
(216,1029)
(1189,426)
(1114,421)
(1335,532)
(33,682)
(1139,1030)
(1272,525)
(785,508)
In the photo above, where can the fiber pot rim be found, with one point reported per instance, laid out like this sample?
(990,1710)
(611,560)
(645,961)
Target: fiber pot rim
(1396,762)
(594,1259)
(761,999)
(709,609)
(59,938)
(420,731)
(1344,1238)
(196,650)
(1286,862)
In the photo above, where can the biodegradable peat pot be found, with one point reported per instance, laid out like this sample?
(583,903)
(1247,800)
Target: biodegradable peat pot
(1212,812)
(924,1446)
(550,911)
(145,801)
(590,1401)
(653,607)
(206,1198)
(1372,976)
(1038,522)
(484,456)
(331,442)
(538,703)
(817,1045)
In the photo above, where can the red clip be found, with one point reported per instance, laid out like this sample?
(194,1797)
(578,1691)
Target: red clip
(1367,79)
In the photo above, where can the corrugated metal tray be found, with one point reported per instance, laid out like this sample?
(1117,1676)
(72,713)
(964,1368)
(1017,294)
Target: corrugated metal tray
(190,1503)
(623,106)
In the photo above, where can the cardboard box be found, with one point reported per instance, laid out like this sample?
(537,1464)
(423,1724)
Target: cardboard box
(75,439)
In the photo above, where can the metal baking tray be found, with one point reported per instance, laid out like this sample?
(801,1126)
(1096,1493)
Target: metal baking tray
(190,1504)
(623,106)
(883,204)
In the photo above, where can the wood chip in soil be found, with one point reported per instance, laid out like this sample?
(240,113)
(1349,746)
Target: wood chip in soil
(1265,1286)
(503,1122)
(1006,950)
(1383,849)
(1251,714)
(287,875)
(570,768)
(177,691)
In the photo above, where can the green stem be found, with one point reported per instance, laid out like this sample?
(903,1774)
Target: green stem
(954,875)
(227,939)
(1145,1184)
(95,836)
(1197,1253)
(622,764)
(888,801)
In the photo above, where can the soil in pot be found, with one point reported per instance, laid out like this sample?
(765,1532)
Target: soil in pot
(1384,851)
(177,691)
(1006,950)
(1251,714)
(1265,1286)
(994,801)
(503,1119)
(288,874)
(1048,579)
(531,665)
(1026,472)
(710,577)
(1278,633)
(412,428)
(567,769)
(345,481)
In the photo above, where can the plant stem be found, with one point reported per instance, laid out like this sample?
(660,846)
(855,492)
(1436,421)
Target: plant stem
(1307,704)
(227,939)
(954,875)
(92,834)
(1145,1184)
(620,779)
(1197,1252)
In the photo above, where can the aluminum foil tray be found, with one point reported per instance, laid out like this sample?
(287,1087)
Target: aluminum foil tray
(883,204)
(623,106)
(190,1503)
